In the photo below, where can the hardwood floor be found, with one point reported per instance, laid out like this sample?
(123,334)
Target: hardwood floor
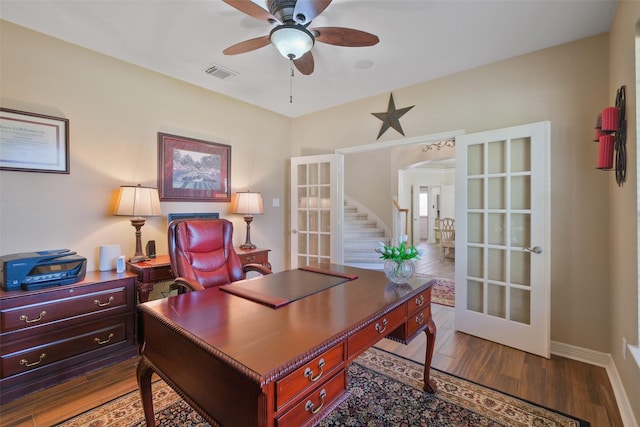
(562,384)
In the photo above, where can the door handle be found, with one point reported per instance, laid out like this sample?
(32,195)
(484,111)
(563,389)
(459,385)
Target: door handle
(535,249)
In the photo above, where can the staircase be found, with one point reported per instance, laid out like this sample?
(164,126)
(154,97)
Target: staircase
(361,237)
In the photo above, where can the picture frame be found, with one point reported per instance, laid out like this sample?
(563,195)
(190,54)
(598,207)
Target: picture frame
(193,170)
(31,142)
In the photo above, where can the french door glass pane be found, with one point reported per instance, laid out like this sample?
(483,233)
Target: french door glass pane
(475,193)
(475,159)
(496,265)
(496,300)
(520,306)
(497,157)
(475,228)
(475,296)
(521,155)
(497,229)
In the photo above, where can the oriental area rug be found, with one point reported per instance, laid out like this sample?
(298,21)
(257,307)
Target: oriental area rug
(443,292)
(385,391)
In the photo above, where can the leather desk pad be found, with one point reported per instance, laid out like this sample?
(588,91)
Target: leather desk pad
(278,289)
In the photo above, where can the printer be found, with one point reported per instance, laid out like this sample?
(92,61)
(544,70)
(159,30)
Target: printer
(37,270)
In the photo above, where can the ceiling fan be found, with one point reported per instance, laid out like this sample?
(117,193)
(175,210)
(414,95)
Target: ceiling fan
(291,35)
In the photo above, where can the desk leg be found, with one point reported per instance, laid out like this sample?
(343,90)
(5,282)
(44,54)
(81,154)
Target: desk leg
(144,373)
(430,331)
(143,291)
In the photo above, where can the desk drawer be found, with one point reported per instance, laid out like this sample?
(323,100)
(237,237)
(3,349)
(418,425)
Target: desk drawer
(158,274)
(417,321)
(47,312)
(61,345)
(312,373)
(313,403)
(368,336)
(419,301)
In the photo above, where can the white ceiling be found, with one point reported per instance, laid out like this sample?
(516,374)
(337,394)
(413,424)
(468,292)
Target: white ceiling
(420,40)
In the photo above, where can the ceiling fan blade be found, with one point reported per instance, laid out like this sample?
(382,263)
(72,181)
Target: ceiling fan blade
(344,37)
(247,45)
(306,10)
(305,63)
(252,9)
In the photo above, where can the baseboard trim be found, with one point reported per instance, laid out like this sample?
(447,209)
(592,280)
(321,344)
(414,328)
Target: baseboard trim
(606,361)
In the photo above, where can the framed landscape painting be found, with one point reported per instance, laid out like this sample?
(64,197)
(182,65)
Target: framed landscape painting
(193,170)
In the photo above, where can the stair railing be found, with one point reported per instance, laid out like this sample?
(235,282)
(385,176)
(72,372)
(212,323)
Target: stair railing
(400,222)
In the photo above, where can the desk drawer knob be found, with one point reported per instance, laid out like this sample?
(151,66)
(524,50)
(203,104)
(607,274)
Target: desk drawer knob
(308,373)
(99,341)
(39,361)
(103,304)
(420,300)
(420,319)
(383,327)
(39,318)
(310,407)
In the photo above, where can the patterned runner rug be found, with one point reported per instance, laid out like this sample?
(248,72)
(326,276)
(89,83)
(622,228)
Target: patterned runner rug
(385,390)
(443,292)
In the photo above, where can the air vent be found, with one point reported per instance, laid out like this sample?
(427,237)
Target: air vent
(219,72)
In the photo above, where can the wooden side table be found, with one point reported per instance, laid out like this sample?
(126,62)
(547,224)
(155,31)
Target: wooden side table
(254,256)
(149,273)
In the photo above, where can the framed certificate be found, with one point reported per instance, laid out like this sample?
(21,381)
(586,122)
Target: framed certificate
(33,142)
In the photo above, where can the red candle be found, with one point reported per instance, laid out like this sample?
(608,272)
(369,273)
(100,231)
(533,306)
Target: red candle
(605,151)
(610,119)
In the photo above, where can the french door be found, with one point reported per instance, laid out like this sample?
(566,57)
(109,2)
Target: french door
(316,223)
(503,235)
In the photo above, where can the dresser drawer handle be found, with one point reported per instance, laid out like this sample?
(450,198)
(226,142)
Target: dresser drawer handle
(310,407)
(28,365)
(382,328)
(420,319)
(420,300)
(251,259)
(308,373)
(105,341)
(103,304)
(26,318)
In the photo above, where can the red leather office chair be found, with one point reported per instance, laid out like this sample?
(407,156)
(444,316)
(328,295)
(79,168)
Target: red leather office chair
(202,255)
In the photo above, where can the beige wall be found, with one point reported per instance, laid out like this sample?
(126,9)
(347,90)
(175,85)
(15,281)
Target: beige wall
(623,283)
(566,85)
(115,111)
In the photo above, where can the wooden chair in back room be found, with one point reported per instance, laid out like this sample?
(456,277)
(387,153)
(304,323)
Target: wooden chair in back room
(202,255)
(447,237)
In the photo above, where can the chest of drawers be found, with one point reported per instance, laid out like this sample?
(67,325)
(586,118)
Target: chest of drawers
(53,334)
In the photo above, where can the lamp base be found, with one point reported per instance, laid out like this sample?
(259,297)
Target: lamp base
(247,243)
(139,256)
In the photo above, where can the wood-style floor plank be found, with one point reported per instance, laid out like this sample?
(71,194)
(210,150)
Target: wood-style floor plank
(562,384)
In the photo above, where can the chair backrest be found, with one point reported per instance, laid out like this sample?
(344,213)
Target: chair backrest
(202,250)
(447,230)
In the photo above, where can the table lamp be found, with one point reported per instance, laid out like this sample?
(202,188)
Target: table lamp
(138,202)
(248,204)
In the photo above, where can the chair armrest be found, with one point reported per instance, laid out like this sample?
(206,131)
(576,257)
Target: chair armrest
(258,268)
(183,284)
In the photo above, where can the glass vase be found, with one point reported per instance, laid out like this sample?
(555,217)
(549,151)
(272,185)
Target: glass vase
(399,271)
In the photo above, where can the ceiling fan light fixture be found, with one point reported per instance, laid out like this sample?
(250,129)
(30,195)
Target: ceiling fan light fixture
(292,40)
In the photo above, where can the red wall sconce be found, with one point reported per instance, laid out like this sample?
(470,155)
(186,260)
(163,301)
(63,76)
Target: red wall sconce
(611,135)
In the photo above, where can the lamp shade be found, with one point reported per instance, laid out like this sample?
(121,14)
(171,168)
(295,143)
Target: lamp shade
(291,40)
(138,201)
(247,203)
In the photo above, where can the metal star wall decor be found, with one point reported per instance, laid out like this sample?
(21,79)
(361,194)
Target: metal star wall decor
(392,117)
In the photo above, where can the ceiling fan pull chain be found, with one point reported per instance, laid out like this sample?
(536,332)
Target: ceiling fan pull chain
(291,83)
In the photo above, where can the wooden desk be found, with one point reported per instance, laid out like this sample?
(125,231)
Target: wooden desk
(149,273)
(242,363)
(254,256)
